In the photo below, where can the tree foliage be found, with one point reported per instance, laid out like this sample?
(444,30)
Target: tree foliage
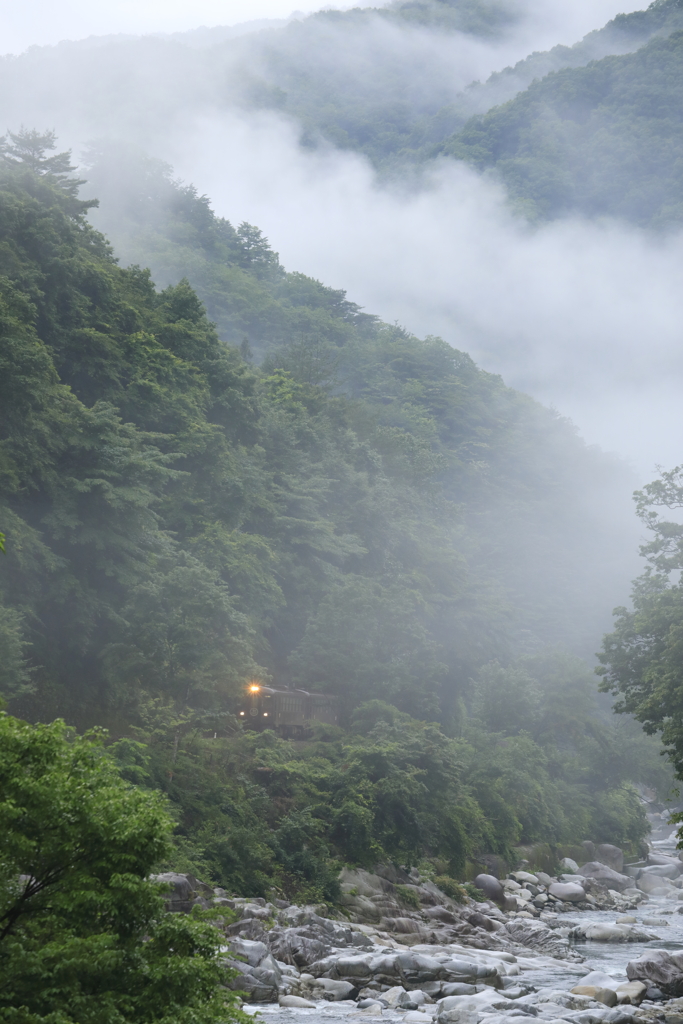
(600,140)
(83,932)
(362,512)
(642,658)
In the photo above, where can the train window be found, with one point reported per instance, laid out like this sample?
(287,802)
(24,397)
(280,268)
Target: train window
(292,705)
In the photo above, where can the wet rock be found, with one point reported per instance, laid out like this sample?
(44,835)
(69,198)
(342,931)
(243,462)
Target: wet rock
(334,991)
(599,932)
(261,983)
(649,883)
(631,992)
(184,892)
(608,876)
(292,947)
(524,876)
(570,892)
(601,995)
(660,969)
(296,1002)
(537,935)
(480,921)
(671,870)
(440,914)
(610,855)
(253,953)
(491,887)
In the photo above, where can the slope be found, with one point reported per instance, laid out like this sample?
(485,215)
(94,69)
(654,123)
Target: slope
(604,140)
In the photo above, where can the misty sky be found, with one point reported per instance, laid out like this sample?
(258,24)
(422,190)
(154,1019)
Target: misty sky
(43,22)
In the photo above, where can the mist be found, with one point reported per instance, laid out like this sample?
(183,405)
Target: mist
(581,315)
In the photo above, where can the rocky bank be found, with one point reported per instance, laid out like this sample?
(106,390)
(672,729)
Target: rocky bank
(403,947)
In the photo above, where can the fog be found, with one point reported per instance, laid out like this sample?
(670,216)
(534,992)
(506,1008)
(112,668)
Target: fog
(584,316)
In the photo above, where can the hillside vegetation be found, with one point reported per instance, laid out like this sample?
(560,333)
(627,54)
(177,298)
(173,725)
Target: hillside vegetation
(363,512)
(603,140)
(391,83)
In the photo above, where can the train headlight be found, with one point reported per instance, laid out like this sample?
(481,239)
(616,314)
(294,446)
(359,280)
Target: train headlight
(242,714)
(254,689)
(265,714)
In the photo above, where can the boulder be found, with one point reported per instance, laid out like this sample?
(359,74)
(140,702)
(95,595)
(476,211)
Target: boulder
(589,848)
(631,992)
(261,984)
(606,875)
(671,870)
(611,933)
(457,988)
(601,995)
(480,921)
(184,893)
(491,887)
(610,855)
(658,969)
(296,1002)
(524,877)
(661,858)
(599,979)
(440,914)
(648,883)
(253,953)
(569,892)
(567,864)
(296,946)
(334,991)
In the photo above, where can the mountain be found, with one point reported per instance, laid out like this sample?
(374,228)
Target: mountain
(604,140)
(354,510)
(390,83)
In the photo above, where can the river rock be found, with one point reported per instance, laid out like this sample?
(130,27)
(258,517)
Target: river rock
(524,876)
(570,892)
(536,935)
(334,991)
(567,864)
(601,995)
(610,855)
(185,892)
(607,875)
(671,870)
(660,969)
(648,884)
(599,979)
(491,887)
(296,1002)
(661,858)
(253,953)
(631,992)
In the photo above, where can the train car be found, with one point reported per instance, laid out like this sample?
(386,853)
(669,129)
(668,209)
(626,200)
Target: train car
(289,713)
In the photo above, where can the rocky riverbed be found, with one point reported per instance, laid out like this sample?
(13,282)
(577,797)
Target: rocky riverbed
(596,943)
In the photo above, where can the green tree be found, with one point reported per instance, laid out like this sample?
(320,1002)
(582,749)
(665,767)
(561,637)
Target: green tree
(84,937)
(642,659)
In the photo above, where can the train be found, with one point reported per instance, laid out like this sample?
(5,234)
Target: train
(290,713)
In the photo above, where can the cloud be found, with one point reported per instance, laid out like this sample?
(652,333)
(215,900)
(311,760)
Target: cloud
(582,315)
(586,316)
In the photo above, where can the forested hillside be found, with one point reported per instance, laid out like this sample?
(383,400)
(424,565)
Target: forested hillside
(352,509)
(601,140)
(392,83)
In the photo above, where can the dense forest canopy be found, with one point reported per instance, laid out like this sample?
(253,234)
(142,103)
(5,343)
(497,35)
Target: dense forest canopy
(601,140)
(310,496)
